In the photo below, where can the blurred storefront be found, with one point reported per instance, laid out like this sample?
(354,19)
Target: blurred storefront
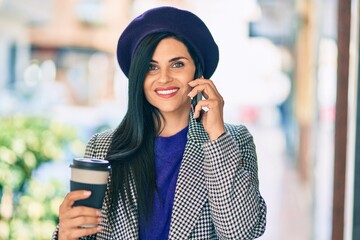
(278,74)
(80,39)
(15,45)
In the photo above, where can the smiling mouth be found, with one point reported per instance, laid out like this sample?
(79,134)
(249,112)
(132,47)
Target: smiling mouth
(166,92)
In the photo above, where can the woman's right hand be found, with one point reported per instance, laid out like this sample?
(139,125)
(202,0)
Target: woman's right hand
(72,218)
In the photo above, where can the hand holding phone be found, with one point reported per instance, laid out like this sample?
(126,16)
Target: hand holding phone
(207,104)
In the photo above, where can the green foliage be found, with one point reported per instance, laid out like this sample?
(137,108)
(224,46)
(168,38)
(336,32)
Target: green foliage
(29,208)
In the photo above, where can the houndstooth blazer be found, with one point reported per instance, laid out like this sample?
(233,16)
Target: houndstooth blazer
(217,192)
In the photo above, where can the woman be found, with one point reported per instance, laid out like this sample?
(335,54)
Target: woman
(178,172)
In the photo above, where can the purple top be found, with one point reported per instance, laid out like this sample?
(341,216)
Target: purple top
(168,155)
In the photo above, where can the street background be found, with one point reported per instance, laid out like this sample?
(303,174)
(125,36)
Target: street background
(60,83)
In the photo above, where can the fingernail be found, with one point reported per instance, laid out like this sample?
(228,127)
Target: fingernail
(100,219)
(99,228)
(87,193)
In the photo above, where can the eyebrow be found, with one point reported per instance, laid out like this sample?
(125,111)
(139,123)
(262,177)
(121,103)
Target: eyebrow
(171,60)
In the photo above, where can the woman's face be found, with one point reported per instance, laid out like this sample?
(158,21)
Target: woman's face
(166,82)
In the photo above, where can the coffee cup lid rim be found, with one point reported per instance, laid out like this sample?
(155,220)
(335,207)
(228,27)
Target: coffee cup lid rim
(88,163)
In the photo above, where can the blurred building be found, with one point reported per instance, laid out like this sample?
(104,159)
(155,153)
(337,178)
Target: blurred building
(15,44)
(60,58)
(80,38)
(57,58)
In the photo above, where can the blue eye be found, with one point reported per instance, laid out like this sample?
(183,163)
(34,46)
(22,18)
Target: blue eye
(178,64)
(152,67)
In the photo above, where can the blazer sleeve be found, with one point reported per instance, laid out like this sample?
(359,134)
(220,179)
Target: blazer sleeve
(230,167)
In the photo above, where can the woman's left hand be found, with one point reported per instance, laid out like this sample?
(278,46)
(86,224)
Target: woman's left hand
(212,119)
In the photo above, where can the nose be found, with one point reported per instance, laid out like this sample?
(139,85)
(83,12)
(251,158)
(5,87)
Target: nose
(164,77)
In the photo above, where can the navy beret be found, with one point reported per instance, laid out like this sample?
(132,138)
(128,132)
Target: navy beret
(169,19)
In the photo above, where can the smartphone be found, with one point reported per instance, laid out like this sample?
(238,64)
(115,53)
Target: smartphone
(198,97)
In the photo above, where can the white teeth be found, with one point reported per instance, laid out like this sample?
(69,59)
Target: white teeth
(164,92)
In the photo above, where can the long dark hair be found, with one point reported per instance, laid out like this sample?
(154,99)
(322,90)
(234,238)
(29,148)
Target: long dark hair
(131,153)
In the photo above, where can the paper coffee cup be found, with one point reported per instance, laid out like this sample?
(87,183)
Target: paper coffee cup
(92,175)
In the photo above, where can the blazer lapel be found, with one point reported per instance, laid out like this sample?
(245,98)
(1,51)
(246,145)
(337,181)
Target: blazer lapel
(190,193)
(126,227)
